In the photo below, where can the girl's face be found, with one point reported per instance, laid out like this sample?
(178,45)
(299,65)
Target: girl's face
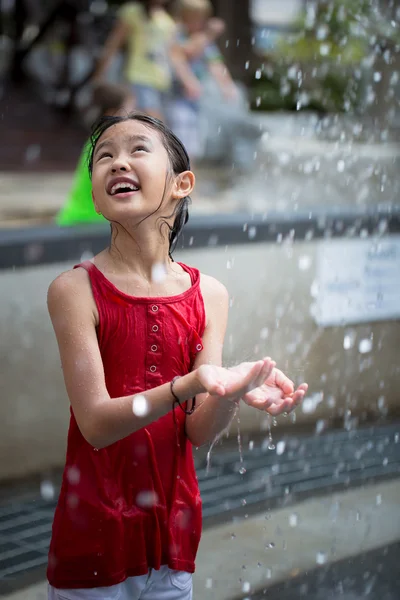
(131,174)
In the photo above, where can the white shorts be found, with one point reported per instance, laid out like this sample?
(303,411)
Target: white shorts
(164,584)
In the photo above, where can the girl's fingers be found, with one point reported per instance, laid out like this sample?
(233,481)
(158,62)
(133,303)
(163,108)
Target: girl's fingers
(250,380)
(265,372)
(284,382)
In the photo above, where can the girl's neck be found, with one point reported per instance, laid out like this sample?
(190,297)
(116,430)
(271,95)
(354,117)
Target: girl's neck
(138,255)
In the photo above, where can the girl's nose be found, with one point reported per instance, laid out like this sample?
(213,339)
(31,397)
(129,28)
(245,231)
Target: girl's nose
(120,164)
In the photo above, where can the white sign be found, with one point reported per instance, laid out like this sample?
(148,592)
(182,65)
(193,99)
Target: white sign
(275,12)
(357,281)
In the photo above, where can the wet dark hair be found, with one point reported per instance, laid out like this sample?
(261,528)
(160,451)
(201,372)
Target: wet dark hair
(178,157)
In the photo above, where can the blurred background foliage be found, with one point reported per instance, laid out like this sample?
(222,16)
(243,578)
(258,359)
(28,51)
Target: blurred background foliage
(324,65)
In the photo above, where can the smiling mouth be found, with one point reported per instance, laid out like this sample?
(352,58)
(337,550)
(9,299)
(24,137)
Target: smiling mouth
(123,188)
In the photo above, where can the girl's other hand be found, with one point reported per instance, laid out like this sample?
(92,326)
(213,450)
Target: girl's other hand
(234,383)
(276,395)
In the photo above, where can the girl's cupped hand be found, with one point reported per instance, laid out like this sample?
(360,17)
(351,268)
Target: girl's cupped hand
(259,384)
(235,383)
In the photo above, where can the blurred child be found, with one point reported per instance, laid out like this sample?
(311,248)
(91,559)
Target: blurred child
(107,100)
(147,30)
(195,57)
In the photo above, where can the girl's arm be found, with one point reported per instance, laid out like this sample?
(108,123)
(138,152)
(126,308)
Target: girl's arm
(103,420)
(184,73)
(220,73)
(114,43)
(275,394)
(213,414)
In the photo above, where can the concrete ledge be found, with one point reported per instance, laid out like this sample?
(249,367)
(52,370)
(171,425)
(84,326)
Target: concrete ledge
(47,245)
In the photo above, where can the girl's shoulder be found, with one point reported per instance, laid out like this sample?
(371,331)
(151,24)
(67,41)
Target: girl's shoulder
(212,289)
(69,289)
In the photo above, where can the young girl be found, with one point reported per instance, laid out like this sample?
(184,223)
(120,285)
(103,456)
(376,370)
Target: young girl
(147,30)
(140,338)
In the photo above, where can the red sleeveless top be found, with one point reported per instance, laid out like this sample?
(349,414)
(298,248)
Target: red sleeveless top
(134,505)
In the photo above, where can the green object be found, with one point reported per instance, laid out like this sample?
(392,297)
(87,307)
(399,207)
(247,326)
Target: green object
(79,207)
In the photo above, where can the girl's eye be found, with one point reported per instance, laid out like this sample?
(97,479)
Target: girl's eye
(105,155)
(140,149)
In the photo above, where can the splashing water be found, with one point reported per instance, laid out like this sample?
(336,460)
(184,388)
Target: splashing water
(208,457)
(293,520)
(158,273)
(271,445)
(365,346)
(321,558)
(280,447)
(47,490)
(239,439)
(140,406)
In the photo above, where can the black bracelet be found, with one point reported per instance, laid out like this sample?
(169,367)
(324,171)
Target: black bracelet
(177,401)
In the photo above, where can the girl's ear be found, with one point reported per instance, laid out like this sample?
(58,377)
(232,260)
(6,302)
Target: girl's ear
(184,185)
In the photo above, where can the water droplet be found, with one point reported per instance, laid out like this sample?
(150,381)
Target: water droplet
(246,586)
(147,499)
(310,403)
(271,545)
(233,536)
(251,445)
(321,558)
(304,262)
(32,152)
(385,461)
(341,165)
(322,32)
(47,490)
(158,273)
(242,470)
(252,232)
(209,583)
(320,426)
(365,346)
(140,406)
(258,74)
(243,502)
(73,475)
(268,573)
(264,332)
(349,339)
(280,447)
(378,499)
(396,438)
(86,255)
(381,403)
(377,76)
(293,520)
(324,49)
(94,572)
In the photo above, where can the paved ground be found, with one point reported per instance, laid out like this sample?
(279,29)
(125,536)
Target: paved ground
(258,533)
(293,550)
